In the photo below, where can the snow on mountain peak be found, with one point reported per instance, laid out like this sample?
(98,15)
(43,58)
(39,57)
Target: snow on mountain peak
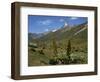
(65,24)
(54,30)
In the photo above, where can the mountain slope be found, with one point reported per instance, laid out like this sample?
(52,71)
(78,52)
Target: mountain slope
(54,45)
(66,33)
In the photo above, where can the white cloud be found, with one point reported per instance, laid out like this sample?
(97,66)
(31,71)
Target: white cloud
(45,22)
(46,30)
(61,20)
(74,18)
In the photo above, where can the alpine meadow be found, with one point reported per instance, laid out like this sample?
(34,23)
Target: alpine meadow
(57,40)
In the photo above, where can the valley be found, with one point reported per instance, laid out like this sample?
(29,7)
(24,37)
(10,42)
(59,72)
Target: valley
(64,46)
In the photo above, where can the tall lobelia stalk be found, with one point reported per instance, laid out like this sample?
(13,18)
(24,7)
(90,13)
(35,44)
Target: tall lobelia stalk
(54,47)
(69,50)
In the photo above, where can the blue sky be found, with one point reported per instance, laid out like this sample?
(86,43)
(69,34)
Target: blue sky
(40,24)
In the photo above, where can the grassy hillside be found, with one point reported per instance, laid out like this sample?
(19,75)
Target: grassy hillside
(67,45)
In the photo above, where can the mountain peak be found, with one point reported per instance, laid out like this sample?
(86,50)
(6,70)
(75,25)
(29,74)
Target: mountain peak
(54,30)
(65,24)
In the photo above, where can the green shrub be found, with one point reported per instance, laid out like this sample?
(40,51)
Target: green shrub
(53,62)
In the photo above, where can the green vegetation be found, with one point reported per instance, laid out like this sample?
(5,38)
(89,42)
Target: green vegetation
(62,47)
